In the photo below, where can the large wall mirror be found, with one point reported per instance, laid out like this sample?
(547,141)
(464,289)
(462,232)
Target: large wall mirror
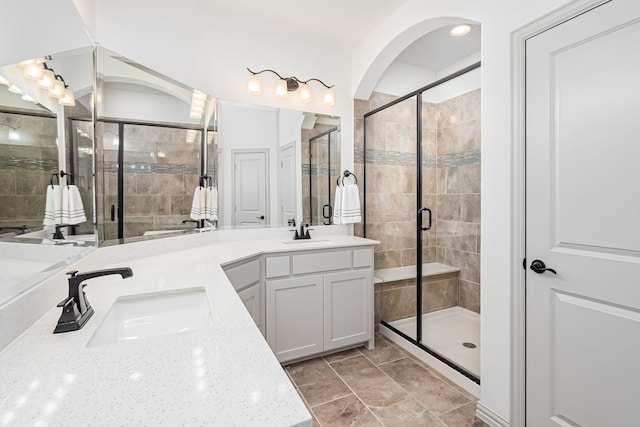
(46,175)
(150,137)
(276,166)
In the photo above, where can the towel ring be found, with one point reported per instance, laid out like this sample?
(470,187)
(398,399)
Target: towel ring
(63,174)
(346,174)
(57,178)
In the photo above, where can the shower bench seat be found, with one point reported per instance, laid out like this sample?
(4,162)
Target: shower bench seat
(385,275)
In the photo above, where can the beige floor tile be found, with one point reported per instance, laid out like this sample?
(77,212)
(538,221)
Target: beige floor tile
(346,411)
(371,385)
(433,393)
(463,417)
(316,381)
(342,355)
(383,352)
(407,413)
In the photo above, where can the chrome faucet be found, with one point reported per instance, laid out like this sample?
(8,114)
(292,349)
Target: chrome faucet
(76,310)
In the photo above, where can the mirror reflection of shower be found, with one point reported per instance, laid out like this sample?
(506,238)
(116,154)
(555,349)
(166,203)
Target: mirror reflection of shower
(320,170)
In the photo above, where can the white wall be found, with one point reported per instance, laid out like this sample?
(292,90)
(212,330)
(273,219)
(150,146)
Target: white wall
(247,127)
(499,18)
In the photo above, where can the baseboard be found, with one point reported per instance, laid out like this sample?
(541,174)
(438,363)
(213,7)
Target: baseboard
(490,417)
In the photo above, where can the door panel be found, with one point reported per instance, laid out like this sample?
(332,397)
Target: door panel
(288,183)
(250,188)
(583,323)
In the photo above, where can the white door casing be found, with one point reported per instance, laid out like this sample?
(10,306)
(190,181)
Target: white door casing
(250,190)
(582,212)
(288,181)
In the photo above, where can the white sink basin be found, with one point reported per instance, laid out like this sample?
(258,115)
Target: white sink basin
(308,242)
(151,315)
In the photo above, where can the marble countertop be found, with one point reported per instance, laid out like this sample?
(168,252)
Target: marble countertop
(222,375)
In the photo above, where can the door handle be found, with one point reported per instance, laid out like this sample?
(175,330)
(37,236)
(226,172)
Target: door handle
(113,213)
(539,267)
(423,228)
(260,217)
(324,208)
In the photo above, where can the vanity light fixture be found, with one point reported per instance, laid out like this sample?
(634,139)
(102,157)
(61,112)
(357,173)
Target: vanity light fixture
(290,84)
(460,30)
(37,69)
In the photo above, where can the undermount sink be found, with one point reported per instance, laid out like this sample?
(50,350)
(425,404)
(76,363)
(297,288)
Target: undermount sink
(150,315)
(318,242)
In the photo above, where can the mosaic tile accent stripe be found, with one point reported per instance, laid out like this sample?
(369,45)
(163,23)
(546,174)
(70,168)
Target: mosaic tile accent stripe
(395,158)
(139,167)
(29,164)
(321,170)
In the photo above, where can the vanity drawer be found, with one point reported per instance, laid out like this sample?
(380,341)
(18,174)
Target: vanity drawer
(317,262)
(244,274)
(278,266)
(362,258)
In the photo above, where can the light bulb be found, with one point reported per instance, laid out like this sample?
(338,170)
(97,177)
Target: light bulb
(33,72)
(329,97)
(281,89)
(57,90)
(67,99)
(47,79)
(460,30)
(254,85)
(305,93)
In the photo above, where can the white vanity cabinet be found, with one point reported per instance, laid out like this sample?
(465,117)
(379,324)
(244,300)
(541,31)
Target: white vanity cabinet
(318,301)
(246,278)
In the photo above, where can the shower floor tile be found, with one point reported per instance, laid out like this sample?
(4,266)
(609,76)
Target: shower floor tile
(380,387)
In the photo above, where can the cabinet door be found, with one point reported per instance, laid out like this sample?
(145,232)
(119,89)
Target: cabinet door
(348,308)
(294,317)
(251,299)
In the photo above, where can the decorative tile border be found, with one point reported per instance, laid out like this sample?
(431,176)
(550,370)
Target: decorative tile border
(319,170)
(29,164)
(141,167)
(396,158)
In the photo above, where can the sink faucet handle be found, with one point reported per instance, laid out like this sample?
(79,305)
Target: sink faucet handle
(72,273)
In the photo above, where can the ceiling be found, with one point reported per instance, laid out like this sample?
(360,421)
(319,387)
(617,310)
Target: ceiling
(437,49)
(337,21)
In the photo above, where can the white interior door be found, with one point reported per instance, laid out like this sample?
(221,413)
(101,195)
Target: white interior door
(250,188)
(583,220)
(288,182)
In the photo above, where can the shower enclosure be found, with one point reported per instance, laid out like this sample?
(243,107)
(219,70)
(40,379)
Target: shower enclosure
(320,173)
(421,160)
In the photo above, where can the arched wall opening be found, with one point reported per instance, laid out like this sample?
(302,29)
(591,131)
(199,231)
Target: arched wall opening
(419,151)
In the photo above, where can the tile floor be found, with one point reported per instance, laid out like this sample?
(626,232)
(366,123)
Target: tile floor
(381,387)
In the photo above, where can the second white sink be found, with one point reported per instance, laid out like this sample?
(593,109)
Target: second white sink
(150,315)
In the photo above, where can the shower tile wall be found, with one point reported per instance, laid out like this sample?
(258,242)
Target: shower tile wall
(161,172)
(25,169)
(452,191)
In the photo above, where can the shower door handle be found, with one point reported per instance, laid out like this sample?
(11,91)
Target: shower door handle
(113,213)
(423,228)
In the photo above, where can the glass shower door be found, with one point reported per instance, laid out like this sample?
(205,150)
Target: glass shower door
(391,209)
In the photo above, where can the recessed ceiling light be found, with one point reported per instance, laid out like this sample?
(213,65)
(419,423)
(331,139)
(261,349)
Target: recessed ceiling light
(460,30)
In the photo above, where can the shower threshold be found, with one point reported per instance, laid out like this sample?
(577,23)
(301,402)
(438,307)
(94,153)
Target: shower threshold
(452,333)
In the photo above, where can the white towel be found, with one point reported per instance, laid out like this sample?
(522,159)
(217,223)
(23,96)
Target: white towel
(198,205)
(337,206)
(72,209)
(53,206)
(211,203)
(350,205)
